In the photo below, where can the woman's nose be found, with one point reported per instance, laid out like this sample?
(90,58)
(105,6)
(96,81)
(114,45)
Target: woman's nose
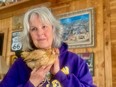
(39,31)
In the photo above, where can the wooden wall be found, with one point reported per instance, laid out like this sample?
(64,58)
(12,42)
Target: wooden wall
(113,37)
(102,49)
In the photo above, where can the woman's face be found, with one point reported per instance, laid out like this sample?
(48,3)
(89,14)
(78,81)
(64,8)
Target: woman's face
(41,34)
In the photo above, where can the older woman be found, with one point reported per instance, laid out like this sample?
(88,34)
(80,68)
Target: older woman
(45,60)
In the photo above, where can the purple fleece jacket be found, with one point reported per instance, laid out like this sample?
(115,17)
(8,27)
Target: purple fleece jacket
(74,72)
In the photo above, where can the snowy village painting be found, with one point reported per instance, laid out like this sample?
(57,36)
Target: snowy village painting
(78,28)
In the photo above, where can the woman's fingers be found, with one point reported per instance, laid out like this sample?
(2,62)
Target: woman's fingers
(47,69)
(38,75)
(42,70)
(33,71)
(56,67)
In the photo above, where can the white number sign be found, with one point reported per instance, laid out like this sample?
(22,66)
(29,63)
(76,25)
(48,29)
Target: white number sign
(16,43)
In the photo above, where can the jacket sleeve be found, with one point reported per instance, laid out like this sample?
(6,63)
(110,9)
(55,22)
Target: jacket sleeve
(28,84)
(11,79)
(83,79)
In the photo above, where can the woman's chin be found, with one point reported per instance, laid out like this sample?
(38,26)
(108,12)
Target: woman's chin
(43,46)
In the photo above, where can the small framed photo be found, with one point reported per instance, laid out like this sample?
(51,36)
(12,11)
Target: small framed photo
(89,59)
(17,22)
(78,28)
(16,43)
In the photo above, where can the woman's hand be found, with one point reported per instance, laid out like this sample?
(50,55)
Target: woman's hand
(38,75)
(55,67)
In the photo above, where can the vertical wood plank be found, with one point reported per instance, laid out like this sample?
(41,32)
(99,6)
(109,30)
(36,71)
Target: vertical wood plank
(113,38)
(107,44)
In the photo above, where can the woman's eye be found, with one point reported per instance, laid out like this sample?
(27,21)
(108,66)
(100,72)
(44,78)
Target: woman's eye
(43,27)
(34,29)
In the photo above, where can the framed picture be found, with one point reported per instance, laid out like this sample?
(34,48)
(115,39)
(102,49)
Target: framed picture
(16,43)
(18,22)
(89,57)
(78,28)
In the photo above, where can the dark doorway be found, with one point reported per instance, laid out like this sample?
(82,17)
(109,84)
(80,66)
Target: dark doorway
(1,42)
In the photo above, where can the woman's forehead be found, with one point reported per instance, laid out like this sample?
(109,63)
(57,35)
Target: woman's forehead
(40,18)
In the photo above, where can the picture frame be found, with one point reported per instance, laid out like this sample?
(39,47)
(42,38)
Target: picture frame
(16,43)
(89,58)
(78,28)
(17,22)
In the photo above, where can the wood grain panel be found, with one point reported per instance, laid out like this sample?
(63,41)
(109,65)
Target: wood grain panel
(107,44)
(113,38)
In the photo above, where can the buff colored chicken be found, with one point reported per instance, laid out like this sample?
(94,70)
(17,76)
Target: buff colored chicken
(40,57)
